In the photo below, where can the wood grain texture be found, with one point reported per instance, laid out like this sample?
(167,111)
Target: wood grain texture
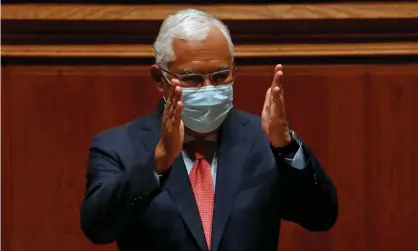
(364,10)
(258,30)
(241,51)
(358,119)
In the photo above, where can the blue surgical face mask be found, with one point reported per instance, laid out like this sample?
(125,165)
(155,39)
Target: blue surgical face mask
(205,108)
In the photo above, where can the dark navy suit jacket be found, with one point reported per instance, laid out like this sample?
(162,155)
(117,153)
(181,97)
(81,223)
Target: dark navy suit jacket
(255,189)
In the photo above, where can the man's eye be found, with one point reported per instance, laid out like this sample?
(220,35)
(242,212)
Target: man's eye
(220,77)
(192,79)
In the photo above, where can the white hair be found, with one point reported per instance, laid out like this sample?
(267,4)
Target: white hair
(190,25)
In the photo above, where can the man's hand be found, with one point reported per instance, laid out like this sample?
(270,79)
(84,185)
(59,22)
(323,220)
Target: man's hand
(172,130)
(273,117)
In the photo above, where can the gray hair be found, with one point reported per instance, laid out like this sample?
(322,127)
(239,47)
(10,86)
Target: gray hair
(190,25)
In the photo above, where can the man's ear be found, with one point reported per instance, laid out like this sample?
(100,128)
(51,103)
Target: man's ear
(157,77)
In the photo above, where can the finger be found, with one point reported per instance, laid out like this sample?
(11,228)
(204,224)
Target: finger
(278,110)
(177,93)
(267,99)
(175,82)
(277,79)
(265,113)
(177,114)
(278,67)
(170,96)
(175,99)
(281,78)
(170,112)
(276,95)
(167,103)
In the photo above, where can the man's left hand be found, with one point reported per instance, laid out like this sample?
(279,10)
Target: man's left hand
(273,117)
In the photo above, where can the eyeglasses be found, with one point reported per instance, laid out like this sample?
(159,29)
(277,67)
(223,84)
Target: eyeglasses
(221,77)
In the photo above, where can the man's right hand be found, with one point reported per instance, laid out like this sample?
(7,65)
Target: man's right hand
(172,130)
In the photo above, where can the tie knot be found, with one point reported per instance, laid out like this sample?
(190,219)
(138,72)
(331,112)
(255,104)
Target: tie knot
(199,156)
(201,149)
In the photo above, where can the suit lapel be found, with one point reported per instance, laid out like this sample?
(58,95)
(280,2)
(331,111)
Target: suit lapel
(177,182)
(234,147)
(180,189)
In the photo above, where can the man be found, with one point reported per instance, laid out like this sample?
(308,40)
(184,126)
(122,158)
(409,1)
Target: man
(196,174)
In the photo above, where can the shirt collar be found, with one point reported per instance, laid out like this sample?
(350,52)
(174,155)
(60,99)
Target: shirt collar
(212,137)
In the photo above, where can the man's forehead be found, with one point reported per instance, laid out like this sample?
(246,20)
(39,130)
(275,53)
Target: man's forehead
(206,56)
(197,49)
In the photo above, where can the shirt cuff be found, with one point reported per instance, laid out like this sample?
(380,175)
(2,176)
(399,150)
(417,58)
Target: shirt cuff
(157,177)
(298,161)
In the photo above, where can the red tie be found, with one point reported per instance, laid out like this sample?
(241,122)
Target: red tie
(202,184)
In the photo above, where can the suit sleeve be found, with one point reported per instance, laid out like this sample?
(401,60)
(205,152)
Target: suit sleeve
(307,196)
(115,194)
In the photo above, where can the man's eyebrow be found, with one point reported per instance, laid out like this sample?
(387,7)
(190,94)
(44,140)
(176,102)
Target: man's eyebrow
(188,71)
(191,71)
(224,67)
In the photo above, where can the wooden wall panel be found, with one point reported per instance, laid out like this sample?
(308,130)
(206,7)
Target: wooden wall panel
(359,119)
(350,93)
(258,30)
(50,115)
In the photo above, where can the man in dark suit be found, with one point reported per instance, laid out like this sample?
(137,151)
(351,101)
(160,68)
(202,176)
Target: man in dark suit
(196,174)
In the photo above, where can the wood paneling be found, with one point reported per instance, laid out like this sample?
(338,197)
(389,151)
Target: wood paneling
(128,30)
(255,12)
(360,120)
(49,116)
(241,51)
